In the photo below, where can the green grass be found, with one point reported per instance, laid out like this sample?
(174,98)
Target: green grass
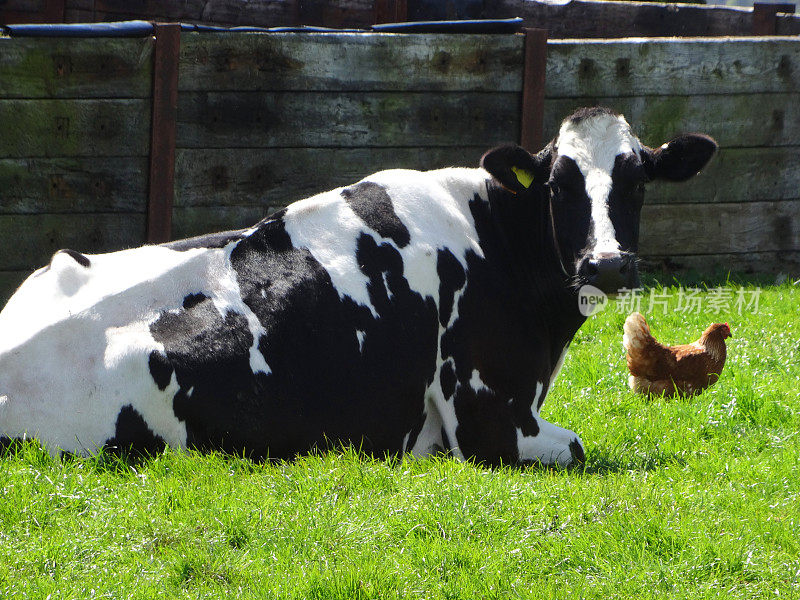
(688,498)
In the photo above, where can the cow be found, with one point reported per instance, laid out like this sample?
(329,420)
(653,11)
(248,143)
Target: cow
(411,312)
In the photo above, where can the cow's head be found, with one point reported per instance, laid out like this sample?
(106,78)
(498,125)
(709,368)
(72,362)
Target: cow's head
(594,173)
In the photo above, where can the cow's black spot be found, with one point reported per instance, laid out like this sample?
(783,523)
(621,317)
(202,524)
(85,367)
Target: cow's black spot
(447,377)
(373,205)
(191,300)
(79,258)
(576,449)
(210,240)
(446,440)
(160,369)
(524,419)
(133,433)
(451,279)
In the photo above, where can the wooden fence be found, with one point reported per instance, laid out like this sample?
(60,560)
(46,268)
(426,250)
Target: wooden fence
(572,19)
(266,119)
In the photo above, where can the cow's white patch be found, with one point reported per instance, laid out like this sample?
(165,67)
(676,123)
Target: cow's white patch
(361,335)
(476,383)
(440,414)
(429,441)
(557,368)
(594,143)
(535,403)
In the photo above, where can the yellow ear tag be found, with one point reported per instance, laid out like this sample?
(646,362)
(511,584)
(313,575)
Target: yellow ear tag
(524,177)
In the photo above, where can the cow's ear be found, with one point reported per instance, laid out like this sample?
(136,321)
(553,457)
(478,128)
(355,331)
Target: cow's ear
(515,168)
(680,158)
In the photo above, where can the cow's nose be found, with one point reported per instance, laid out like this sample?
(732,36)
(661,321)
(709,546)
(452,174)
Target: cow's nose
(609,272)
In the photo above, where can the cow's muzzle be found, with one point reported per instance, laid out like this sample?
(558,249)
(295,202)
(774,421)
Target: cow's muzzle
(610,272)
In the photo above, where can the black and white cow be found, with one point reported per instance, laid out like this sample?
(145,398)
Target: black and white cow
(409,312)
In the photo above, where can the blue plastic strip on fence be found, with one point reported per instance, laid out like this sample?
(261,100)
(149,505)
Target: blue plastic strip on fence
(188,27)
(117,29)
(466,26)
(145,28)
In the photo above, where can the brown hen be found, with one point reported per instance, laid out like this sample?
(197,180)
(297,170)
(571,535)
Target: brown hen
(658,370)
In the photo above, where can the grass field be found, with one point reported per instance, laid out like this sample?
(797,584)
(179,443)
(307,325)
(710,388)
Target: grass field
(689,498)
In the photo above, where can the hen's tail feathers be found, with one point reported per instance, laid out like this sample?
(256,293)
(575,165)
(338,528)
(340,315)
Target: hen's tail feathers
(636,334)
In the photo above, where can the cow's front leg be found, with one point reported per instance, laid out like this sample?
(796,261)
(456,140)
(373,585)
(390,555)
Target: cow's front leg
(552,445)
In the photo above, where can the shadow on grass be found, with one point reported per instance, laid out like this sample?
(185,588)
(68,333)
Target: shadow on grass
(605,461)
(599,461)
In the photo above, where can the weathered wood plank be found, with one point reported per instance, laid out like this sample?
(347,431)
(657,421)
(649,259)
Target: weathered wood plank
(587,19)
(197,220)
(774,263)
(54,128)
(720,228)
(28,241)
(276,177)
(75,68)
(143,9)
(263,13)
(24,5)
(350,62)
(671,67)
(737,120)
(262,120)
(73,185)
(737,175)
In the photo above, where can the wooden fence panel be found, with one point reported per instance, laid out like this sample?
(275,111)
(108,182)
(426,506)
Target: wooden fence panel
(266,119)
(350,62)
(75,68)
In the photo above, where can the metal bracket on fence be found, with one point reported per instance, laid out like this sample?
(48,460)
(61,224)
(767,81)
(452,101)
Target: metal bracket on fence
(163,132)
(765,17)
(533,80)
